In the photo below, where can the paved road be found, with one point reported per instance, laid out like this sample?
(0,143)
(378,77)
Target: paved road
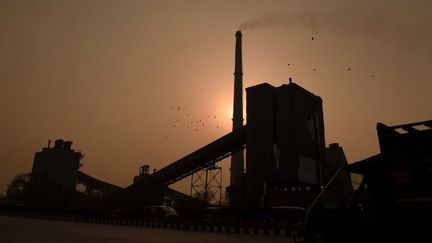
(39,230)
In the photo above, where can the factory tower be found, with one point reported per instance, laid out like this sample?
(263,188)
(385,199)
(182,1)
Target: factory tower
(237,159)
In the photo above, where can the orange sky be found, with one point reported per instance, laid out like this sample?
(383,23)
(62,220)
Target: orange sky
(105,74)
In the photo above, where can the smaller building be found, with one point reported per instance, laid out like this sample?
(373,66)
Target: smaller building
(341,187)
(144,171)
(335,158)
(55,169)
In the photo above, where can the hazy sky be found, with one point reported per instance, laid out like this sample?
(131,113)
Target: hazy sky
(105,74)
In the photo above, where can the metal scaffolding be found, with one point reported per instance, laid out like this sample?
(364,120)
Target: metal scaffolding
(206,185)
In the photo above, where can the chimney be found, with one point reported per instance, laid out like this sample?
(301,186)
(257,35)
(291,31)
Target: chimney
(237,160)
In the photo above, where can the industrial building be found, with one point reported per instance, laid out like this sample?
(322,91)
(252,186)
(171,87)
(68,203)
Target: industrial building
(286,154)
(55,178)
(56,167)
(285,145)
(55,173)
(287,161)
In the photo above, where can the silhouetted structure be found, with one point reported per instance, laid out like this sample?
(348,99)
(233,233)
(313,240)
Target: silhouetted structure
(56,179)
(237,159)
(335,159)
(285,145)
(55,171)
(195,161)
(94,186)
(144,171)
(392,200)
(56,166)
(206,185)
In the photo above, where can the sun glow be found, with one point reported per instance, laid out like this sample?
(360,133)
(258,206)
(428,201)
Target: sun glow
(229,112)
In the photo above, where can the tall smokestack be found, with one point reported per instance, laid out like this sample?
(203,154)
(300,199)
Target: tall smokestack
(237,160)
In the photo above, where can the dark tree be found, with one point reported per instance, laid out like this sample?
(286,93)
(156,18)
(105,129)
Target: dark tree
(16,189)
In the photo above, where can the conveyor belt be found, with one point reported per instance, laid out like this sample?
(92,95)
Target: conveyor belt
(98,184)
(201,158)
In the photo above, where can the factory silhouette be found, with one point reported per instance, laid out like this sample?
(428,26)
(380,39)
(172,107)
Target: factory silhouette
(278,158)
